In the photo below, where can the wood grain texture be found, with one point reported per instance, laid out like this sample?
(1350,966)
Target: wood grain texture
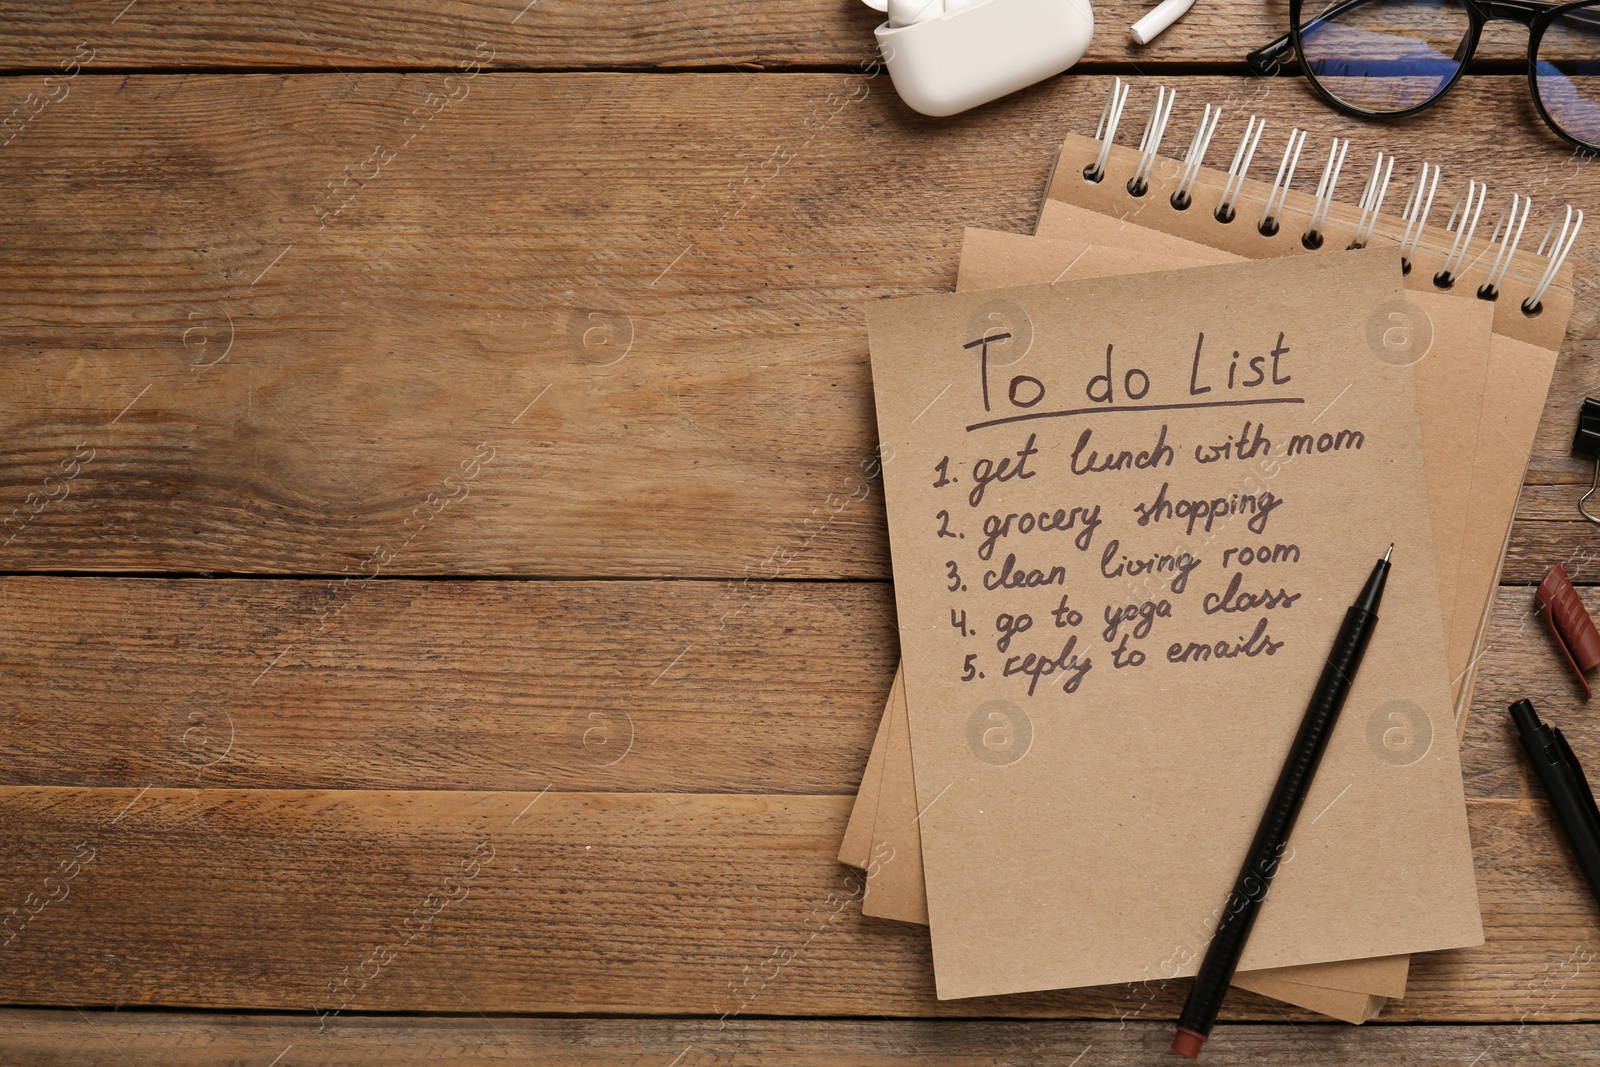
(58,1038)
(710,905)
(547,34)
(263,319)
(625,686)
(543,34)
(597,686)
(639,295)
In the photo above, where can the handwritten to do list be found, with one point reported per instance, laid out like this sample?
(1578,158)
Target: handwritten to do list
(1126,516)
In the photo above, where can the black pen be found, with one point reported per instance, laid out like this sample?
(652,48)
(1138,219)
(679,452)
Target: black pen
(1272,835)
(1565,785)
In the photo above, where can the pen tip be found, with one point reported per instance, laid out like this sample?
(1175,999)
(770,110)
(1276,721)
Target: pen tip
(1389,553)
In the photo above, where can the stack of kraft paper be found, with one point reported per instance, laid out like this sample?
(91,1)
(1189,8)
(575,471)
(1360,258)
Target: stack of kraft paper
(1137,475)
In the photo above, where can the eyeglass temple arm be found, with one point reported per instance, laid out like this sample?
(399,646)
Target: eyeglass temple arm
(1525,11)
(1267,59)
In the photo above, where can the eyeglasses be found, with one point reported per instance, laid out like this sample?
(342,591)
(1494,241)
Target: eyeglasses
(1388,58)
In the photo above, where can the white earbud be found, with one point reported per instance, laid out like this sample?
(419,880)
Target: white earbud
(945,56)
(907,12)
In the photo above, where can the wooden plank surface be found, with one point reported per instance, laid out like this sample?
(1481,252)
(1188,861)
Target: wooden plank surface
(468,322)
(625,686)
(544,34)
(569,325)
(601,686)
(619,903)
(60,1038)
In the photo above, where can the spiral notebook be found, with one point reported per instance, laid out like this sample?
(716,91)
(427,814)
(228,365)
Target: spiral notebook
(1080,824)
(991,260)
(1483,488)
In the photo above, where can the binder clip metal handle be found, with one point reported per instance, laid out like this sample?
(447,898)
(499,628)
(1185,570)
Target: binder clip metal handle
(1587,441)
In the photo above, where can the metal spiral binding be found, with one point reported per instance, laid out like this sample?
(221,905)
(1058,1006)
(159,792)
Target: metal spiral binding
(1312,238)
(1418,204)
(1106,131)
(1477,192)
(1558,255)
(1155,127)
(1239,168)
(1512,228)
(1268,226)
(1195,156)
(1371,202)
(1464,217)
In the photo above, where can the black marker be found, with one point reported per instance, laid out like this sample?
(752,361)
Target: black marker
(1565,785)
(1272,835)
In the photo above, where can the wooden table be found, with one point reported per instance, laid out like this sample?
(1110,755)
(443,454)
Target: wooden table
(441,625)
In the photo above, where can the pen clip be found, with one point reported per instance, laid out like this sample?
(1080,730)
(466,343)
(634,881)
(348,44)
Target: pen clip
(1580,781)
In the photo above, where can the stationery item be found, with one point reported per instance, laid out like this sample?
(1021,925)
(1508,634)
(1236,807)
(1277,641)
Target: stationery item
(1345,1005)
(994,260)
(1449,389)
(896,890)
(856,847)
(1034,493)
(1569,622)
(1250,889)
(1159,18)
(1395,59)
(1587,442)
(1530,294)
(1564,783)
(1380,976)
(945,56)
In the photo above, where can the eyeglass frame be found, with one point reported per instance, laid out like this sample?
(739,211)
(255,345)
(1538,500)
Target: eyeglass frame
(1536,17)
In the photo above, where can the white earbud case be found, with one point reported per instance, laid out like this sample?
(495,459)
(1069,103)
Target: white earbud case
(975,53)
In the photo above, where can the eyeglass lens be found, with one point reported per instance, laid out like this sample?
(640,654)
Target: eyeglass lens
(1384,55)
(1567,73)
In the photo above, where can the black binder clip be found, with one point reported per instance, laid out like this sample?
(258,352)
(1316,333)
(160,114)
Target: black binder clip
(1587,442)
